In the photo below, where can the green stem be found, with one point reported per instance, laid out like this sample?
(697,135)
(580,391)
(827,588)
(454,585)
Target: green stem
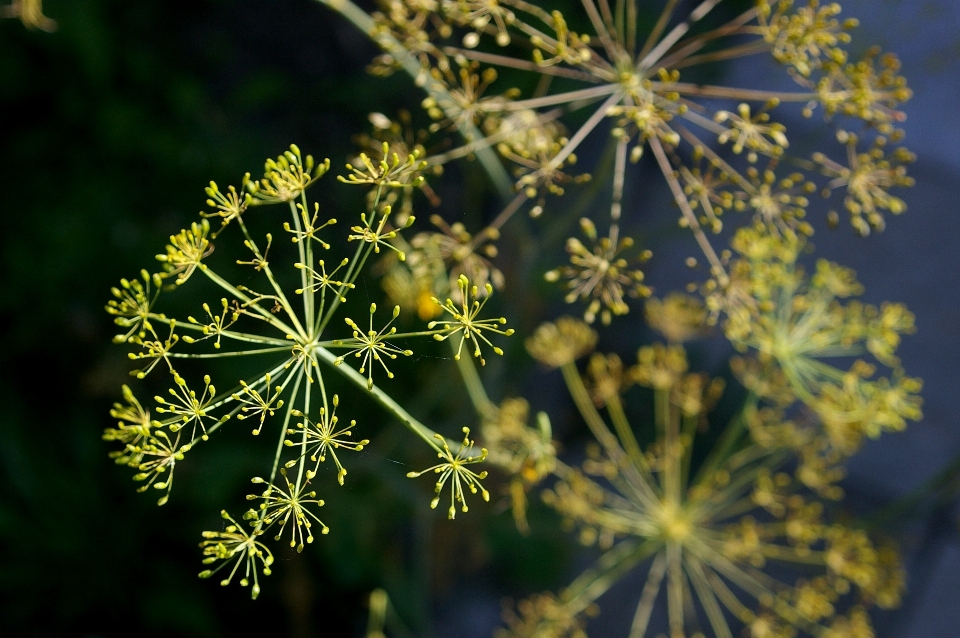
(625,432)
(485,408)
(271,318)
(353,271)
(641,487)
(283,434)
(238,336)
(214,355)
(688,432)
(728,440)
(307,252)
(425,433)
(325,318)
(362,20)
(589,411)
(608,569)
(668,433)
(306,414)
(282,298)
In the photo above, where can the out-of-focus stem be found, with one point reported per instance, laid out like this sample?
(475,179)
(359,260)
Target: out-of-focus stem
(362,20)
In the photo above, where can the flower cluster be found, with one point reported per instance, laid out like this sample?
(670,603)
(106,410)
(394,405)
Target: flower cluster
(630,79)
(718,539)
(796,324)
(292,333)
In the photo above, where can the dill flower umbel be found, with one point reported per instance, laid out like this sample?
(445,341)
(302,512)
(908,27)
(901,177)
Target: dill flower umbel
(567,339)
(465,322)
(796,323)
(453,468)
(628,73)
(677,317)
(601,273)
(716,542)
(291,331)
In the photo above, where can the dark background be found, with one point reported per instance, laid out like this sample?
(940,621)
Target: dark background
(109,130)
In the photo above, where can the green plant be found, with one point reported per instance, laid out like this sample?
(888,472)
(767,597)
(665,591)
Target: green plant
(704,513)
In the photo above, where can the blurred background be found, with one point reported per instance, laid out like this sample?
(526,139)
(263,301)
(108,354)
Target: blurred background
(111,127)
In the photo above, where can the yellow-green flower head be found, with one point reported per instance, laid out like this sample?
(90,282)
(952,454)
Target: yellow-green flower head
(230,205)
(465,320)
(235,545)
(779,203)
(132,304)
(565,47)
(325,437)
(457,101)
(185,251)
(678,317)
(392,171)
(158,455)
(798,323)
(555,344)
(601,273)
(752,131)
(478,15)
(659,366)
(372,345)
(284,506)
(526,134)
(807,37)
(453,468)
(867,178)
(862,90)
(134,427)
(706,537)
(287,177)
(608,379)
(695,394)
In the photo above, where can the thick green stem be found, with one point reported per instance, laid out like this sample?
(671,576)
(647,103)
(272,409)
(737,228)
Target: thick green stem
(669,432)
(589,411)
(485,408)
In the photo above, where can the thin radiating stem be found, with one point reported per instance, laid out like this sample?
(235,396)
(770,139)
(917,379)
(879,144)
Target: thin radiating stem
(384,399)
(641,618)
(658,28)
(675,34)
(688,213)
(362,20)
